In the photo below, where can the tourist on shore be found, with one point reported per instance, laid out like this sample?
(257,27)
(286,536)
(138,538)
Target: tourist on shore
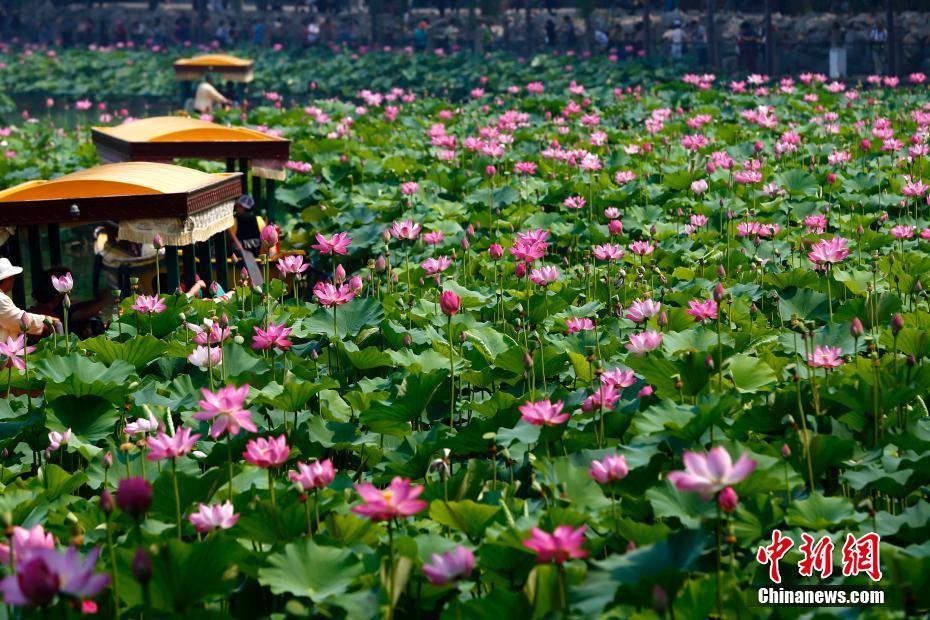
(878,39)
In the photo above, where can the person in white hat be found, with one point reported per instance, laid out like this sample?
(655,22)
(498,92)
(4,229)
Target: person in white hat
(12,319)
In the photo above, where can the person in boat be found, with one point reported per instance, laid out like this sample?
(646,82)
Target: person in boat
(83,316)
(14,321)
(207,97)
(246,233)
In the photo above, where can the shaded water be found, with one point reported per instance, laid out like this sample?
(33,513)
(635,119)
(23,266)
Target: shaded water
(63,114)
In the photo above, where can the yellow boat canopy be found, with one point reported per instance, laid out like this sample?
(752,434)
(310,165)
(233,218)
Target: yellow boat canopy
(183,129)
(182,204)
(231,68)
(165,138)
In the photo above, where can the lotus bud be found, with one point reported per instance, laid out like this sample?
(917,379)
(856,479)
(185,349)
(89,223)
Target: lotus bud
(663,319)
(142,566)
(107,504)
(615,227)
(855,328)
(897,323)
(407,340)
(157,242)
(520,270)
(495,251)
(911,361)
(450,303)
(786,451)
(108,460)
(527,360)
(709,362)
(728,500)
(719,292)
(270,235)
(380,264)
(659,600)
(134,496)
(339,274)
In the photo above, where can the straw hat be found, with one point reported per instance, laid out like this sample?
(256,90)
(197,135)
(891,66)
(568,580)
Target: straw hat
(8,269)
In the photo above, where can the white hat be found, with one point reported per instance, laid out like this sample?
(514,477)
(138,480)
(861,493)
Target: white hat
(8,269)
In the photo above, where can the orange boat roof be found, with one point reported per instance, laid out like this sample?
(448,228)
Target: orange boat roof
(121,179)
(214,60)
(183,129)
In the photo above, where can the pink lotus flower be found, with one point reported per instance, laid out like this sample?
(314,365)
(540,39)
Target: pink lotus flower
(605,396)
(204,357)
(313,475)
(611,469)
(618,377)
(405,229)
(702,310)
(210,333)
(699,186)
(825,357)
(608,251)
(337,244)
(25,543)
(64,284)
(693,142)
(434,266)
(829,251)
(48,573)
(225,408)
(525,167)
(398,500)
(642,248)
(149,304)
(409,188)
(915,188)
(543,413)
(575,325)
(816,224)
(293,263)
(14,352)
(561,545)
(640,311)
(709,473)
(273,337)
(903,232)
(574,202)
(644,342)
(623,177)
(164,446)
(211,517)
(450,566)
(56,440)
(433,237)
(141,426)
(544,276)
(266,453)
(329,296)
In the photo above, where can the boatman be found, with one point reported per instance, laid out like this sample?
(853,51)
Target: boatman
(207,97)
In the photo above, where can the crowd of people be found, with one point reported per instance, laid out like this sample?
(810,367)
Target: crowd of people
(327,23)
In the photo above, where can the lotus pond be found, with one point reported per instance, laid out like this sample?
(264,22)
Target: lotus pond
(570,346)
